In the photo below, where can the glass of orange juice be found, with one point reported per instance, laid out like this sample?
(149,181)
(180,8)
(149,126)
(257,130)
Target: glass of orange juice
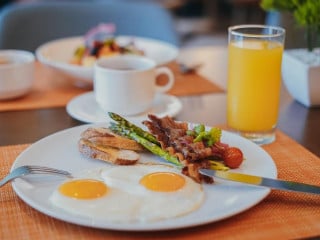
(254,80)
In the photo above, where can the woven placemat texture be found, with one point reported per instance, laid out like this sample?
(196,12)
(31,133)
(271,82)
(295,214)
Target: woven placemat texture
(281,215)
(51,89)
(191,83)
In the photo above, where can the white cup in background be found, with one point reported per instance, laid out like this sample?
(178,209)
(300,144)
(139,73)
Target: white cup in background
(16,73)
(127,84)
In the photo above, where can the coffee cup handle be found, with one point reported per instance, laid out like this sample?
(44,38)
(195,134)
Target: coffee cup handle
(169,84)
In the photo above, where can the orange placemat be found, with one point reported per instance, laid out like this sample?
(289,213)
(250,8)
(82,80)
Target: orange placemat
(191,84)
(281,215)
(52,89)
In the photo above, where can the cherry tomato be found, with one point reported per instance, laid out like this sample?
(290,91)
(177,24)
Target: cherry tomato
(233,157)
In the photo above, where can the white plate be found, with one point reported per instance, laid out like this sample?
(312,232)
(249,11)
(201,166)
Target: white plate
(223,199)
(58,53)
(84,108)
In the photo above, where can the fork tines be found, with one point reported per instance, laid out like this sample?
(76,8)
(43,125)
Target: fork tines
(40,169)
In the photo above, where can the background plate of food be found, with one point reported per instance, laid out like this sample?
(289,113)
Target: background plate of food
(70,56)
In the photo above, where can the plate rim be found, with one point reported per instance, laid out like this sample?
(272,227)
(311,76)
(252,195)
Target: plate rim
(263,192)
(41,58)
(133,118)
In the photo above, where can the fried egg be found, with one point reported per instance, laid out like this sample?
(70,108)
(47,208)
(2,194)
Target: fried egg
(136,193)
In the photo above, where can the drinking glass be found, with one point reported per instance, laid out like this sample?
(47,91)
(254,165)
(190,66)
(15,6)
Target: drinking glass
(254,80)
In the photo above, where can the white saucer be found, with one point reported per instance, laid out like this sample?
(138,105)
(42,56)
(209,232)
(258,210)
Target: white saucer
(84,108)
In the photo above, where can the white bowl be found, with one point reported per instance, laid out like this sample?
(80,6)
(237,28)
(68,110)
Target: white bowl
(58,53)
(16,73)
(301,71)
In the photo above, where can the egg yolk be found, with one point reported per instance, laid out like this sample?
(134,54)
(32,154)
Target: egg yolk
(163,181)
(83,189)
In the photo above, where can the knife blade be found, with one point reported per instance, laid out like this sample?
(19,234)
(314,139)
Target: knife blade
(262,181)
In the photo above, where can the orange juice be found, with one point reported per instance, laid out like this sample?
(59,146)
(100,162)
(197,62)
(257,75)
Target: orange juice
(254,85)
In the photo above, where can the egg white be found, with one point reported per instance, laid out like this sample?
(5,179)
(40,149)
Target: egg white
(128,201)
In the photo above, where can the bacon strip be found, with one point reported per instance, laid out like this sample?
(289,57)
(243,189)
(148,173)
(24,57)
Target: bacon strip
(173,138)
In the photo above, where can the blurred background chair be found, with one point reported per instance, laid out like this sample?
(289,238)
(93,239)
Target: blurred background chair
(27,26)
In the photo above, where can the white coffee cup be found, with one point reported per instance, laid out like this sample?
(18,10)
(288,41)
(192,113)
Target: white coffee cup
(16,73)
(127,84)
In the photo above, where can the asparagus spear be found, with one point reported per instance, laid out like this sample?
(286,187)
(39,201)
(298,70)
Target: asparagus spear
(216,165)
(155,149)
(123,122)
(124,127)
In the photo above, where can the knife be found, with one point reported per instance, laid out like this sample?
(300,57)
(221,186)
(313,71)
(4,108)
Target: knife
(262,181)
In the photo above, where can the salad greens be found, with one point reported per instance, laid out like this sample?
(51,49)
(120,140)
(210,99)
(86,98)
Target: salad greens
(209,137)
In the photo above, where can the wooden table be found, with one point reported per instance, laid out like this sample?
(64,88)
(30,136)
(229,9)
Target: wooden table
(299,122)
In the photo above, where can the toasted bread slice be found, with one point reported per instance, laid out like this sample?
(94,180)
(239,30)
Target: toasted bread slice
(108,154)
(105,137)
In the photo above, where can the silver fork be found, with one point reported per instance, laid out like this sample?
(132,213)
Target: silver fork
(29,169)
